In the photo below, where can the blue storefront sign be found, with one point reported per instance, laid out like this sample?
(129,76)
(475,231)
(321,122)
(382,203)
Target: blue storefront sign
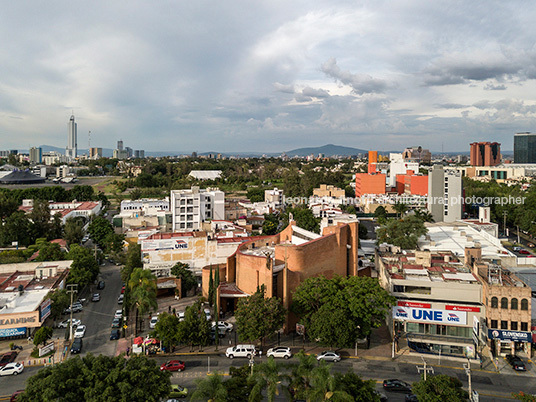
(4,333)
(516,336)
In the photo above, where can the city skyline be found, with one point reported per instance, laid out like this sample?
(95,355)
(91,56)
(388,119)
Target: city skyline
(268,77)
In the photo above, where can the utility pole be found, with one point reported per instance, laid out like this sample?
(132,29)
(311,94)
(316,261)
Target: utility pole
(72,289)
(467,368)
(424,368)
(504,224)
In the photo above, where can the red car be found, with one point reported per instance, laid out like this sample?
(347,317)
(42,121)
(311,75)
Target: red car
(8,357)
(122,290)
(523,251)
(172,365)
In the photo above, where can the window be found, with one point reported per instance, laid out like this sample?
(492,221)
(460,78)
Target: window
(504,324)
(494,324)
(524,304)
(524,326)
(419,289)
(494,302)
(513,304)
(513,326)
(504,303)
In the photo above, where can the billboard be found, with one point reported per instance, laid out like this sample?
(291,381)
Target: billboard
(517,336)
(167,244)
(430,316)
(4,333)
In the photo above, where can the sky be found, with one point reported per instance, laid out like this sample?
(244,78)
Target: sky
(267,76)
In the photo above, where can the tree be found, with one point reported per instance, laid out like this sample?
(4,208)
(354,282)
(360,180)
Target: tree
(362,231)
(182,270)
(301,375)
(8,205)
(240,384)
(211,287)
(324,386)
(167,330)
(353,385)
(113,243)
(380,214)
(42,335)
(339,311)
(73,231)
(99,378)
(521,396)
(194,329)
(40,217)
(440,388)
(98,229)
(142,291)
(60,301)
(266,377)
(400,208)
(84,269)
(424,215)
(404,232)
(255,194)
(270,224)
(49,252)
(17,227)
(133,260)
(257,316)
(304,218)
(210,388)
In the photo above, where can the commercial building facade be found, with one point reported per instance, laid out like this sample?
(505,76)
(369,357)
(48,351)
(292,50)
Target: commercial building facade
(485,154)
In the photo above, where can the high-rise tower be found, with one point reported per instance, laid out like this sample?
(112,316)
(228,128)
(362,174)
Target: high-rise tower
(71,150)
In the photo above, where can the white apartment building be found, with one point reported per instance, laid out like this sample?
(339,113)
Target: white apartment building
(398,165)
(445,194)
(274,197)
(146,206)
(190,208)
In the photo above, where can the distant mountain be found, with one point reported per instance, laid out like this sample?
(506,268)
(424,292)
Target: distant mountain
(327,150)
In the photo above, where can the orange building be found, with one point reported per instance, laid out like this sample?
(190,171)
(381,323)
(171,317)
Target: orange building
(283,261)
(485,154)
(372,157)
(366,183)
(411,183)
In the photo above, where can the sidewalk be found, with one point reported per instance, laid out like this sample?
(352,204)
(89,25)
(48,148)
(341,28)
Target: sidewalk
(24,354)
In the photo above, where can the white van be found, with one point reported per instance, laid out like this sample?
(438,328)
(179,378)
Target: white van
(240,351)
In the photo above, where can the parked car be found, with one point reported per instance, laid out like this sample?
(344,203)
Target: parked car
(76,347)
(173,365)
(516,248)
(280,351)
(67,323)
(531,245)
(180,314)
(240,351)
(225,326)
(115,334)
(77,307)
(207,314)
(329,356)
(153,322)
(118,314)
(120,299)
(7,358)
(395,385)
(12,369)
(381,395)
(523,251)
(116,323)
(101,285)
(178,392)
(411,398)
(123,289)
(80,331)
(15,394)
(95,297)
(516,363)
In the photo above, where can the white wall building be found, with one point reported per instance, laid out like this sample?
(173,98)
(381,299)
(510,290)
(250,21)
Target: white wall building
(445,194)
(144,206)
(398,165)
(71,150)
(190,208)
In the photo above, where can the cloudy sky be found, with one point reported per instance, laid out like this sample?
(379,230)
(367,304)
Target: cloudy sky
(267,76)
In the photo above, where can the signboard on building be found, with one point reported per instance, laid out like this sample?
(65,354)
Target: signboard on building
(463,308)
(300,329)
(28,320)
(45,309)
(414,304)
(168,244)
(4,333)
(429,316)
(517,336)
(45,349)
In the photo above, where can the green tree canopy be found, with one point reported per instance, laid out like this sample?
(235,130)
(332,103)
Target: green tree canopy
(98,229)
(42,335)
(142,291)
(188,280)
(404,232)
(194,329)
(84,268)
(339,311)
(439,388)
(60,301)
(258,316)
(211,388)
(255,194)
(73,231)
(99,378)
(167,329)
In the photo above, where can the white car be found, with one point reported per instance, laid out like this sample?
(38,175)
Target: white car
(153,322)
(180,314)
(223,326)
(118,314)
(66,323)
(280,351)
(12,369)
(80,331)
(329,356)
(240,351)
(207,314)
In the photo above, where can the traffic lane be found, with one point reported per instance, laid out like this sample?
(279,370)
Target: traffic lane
(98,316)
(12,383)
(490,385)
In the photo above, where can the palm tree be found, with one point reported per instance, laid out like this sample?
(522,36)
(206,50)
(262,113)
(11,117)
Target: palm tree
(324,386)
(142,287)
(301,375)
(267,377)
(400,208)
(211,389)
(424,214)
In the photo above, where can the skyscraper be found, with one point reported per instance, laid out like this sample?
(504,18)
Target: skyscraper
(445,194)
(36,155)
(485,153)
(525,148)
(71,150)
